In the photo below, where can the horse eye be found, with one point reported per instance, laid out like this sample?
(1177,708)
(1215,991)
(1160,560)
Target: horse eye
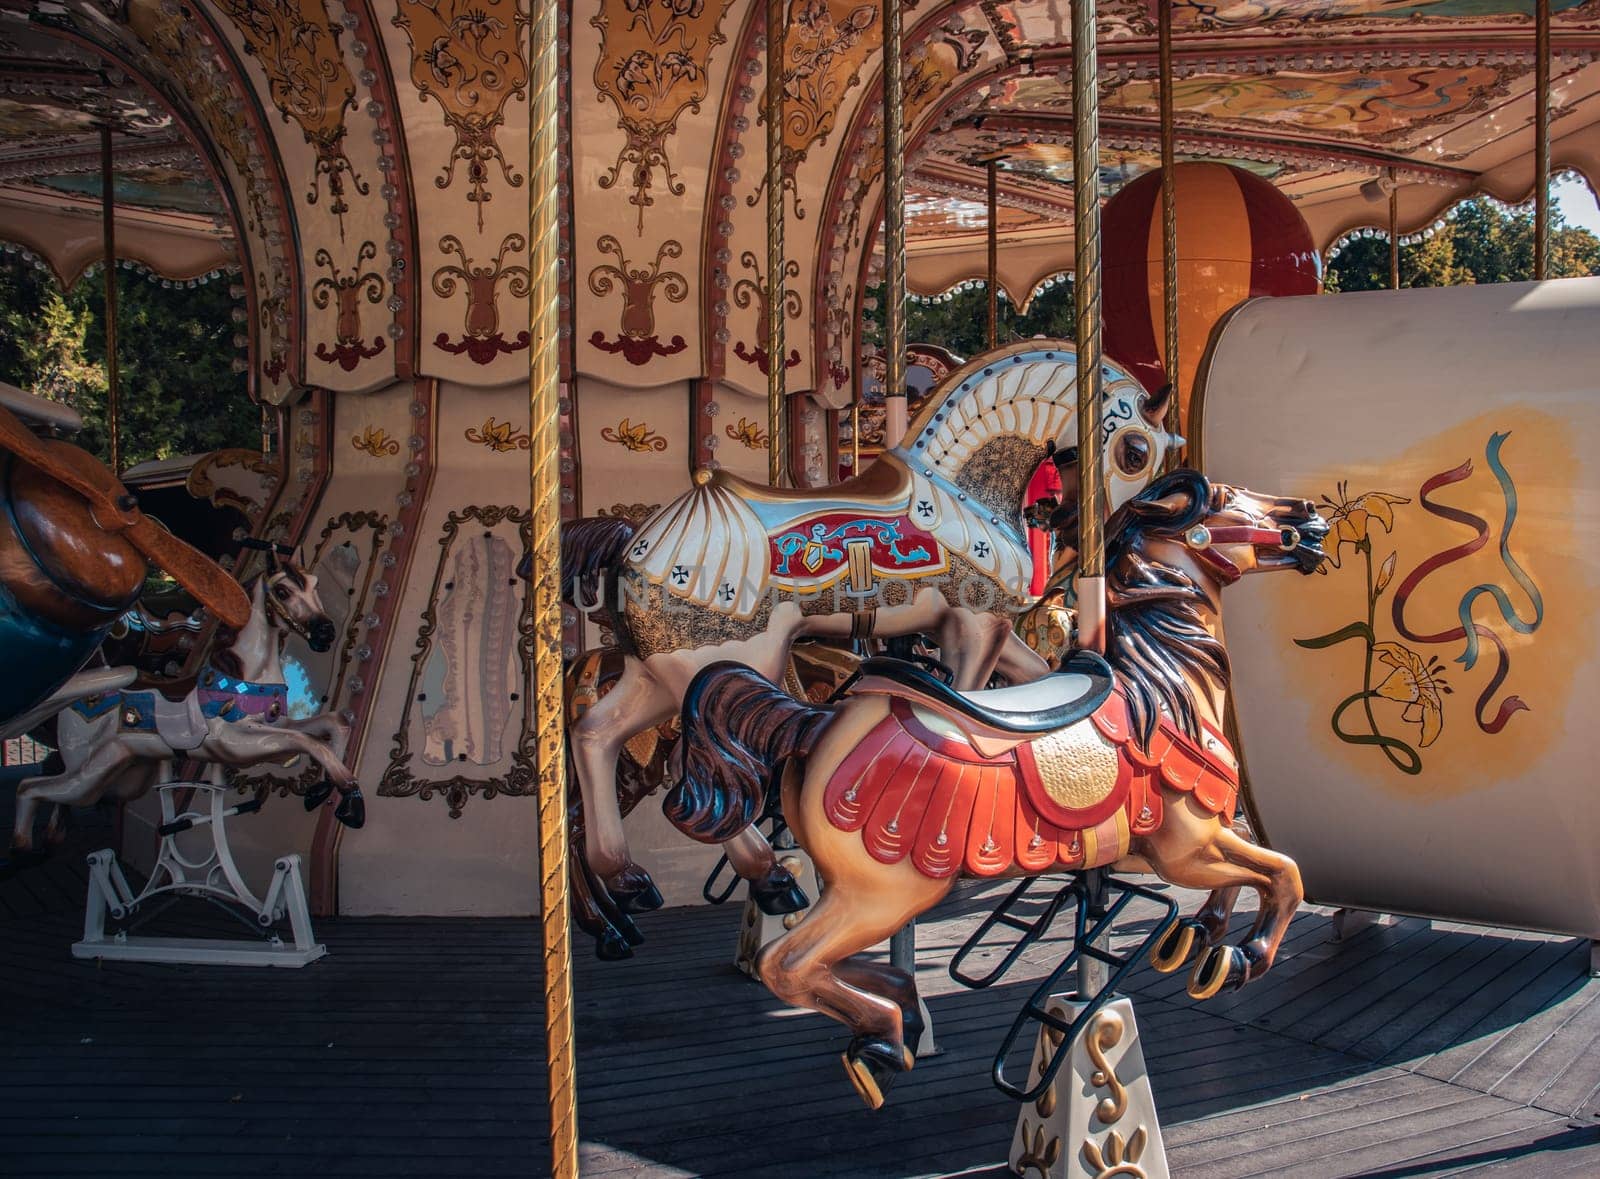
(279,592)
(1132,453)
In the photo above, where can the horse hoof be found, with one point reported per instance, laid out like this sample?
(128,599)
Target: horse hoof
(624,925)
(1175,946)
(780,893)
(318,794)
(352,809)
(644,899)
(611,946)
(1217,968)
(872,1063)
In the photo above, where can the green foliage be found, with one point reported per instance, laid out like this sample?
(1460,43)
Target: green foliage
(179,393)
(1481,241)
(961,324)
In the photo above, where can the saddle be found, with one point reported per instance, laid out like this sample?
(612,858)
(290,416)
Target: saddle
(996,720)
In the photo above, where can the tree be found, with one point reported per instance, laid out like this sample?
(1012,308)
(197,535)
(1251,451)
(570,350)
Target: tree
(960,320)
(1480,241)
(179,393)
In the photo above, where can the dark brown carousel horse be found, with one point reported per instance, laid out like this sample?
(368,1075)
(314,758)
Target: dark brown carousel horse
(906,785)
(74,551)
(642,769)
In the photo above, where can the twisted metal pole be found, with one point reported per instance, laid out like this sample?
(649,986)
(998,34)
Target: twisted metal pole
(1086,294)
(108,234)
(1541,142)
(894,227)
(994,253)
(1169,221)
(544,381)
(1394,234)
(777,407)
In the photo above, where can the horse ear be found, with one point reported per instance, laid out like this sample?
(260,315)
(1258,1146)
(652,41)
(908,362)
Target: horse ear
(1154,405)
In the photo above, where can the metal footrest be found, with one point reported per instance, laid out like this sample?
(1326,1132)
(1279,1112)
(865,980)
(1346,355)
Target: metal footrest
(1093,919)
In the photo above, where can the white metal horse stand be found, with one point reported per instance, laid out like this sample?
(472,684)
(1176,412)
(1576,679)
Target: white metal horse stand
(201,867)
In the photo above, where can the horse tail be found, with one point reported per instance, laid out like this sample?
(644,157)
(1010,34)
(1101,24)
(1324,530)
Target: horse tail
(590,548)
(738,729)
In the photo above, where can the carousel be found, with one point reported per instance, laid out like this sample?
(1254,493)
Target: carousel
(636,680)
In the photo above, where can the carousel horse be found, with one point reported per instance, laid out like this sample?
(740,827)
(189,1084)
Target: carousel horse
(642,769)
(907,784)
(928,540)
(234,712)
(74,551)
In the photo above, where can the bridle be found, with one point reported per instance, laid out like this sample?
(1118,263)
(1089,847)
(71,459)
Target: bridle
(1201,540)
(274,608)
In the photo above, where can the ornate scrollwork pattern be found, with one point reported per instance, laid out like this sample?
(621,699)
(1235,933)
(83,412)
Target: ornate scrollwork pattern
(481,339)
(757,293)
(344,291)
(637,438)
(498,436)
(467,56)
(654,55)
(638,341)
(375,440)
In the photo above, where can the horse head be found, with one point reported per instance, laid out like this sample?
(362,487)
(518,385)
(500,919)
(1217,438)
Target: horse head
(291,598)
(989,425)
(1226,531)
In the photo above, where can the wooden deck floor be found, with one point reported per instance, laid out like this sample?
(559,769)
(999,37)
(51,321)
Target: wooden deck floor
(415,1048)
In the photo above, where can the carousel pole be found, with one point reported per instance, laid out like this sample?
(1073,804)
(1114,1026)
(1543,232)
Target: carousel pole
(1394,233)
(108,231)
(1541,142)
(994,253)
(1086,291)
(777,407)
(545,586)
(894,228)
(1169,219)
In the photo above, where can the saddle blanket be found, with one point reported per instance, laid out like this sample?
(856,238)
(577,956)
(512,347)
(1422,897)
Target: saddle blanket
(182,723)
(1074,798)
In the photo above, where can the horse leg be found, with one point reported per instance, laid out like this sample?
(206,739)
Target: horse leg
(773,886)
(899,985)
(1212,856)
(637,703)
(82,784)
(801,968)
(971,644)
(1205,929)
(1018,662)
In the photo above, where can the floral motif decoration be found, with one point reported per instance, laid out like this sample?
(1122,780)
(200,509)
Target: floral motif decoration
(638,342)
(826,42)
(298,48)
(481,340)
(654,55)
(375,440)
(635,513)
(467,56)
(344,290)
(635,438)
(747,434)
(499,436)
(755,293)
(1396,673)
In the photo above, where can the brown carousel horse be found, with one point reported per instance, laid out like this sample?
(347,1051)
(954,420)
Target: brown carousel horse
(926,541)
(906,785)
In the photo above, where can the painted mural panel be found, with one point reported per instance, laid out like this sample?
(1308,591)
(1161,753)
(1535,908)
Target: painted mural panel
(1414,721)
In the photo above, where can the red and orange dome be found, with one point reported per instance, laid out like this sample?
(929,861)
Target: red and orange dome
(1238,236)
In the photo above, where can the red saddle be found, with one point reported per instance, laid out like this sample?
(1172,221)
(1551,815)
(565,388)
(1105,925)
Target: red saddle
(959,798)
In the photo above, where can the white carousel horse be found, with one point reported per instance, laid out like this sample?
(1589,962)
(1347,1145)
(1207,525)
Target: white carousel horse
(928,541)
(120,742)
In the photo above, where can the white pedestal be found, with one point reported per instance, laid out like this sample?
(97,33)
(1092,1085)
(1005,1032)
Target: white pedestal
(1098,1117)
(195,860)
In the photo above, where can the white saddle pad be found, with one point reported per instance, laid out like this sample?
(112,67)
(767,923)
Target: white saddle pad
(179,722)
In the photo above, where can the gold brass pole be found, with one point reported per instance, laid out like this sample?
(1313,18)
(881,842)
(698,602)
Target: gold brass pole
(994,253)
(1169,220)
(544,380)
(1541,142)
(1086,290)
(855,437)
(894,227)
(777,410)
(108,232)
(1394,234)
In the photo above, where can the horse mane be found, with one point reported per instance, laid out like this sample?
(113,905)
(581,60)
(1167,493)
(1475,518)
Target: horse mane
(590,548)
(1157,639)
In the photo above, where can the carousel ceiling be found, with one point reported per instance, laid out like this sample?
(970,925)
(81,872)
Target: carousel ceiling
(55,99)
(370,160)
